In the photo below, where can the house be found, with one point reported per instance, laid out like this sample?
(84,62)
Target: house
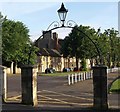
(50,56)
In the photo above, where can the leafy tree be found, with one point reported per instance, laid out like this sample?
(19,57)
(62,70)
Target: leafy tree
(1,20)
(83,65)
(16,43)
(113,43)
(78,44)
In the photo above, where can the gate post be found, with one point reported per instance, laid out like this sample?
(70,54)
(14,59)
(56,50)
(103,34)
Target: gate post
(3,80)
(100,87)
(29,85)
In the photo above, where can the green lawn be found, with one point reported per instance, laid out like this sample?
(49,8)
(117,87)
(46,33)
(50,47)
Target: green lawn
(58,74)
(115,87)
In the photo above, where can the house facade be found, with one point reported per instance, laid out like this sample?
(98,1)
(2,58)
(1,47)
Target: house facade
(49,55)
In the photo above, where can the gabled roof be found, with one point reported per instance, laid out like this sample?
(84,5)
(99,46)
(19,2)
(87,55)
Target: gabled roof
(49,52)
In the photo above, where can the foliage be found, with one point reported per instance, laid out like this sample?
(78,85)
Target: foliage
(113,45)
(78,45)
(86,43)
(1,20)
(83,65)
(15,42)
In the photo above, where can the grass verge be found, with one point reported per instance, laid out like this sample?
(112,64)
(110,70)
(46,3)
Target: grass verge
(58,74)
(115,87)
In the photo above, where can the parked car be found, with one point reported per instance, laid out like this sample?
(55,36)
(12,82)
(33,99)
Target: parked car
(49,70)
(75,69)
(66,69)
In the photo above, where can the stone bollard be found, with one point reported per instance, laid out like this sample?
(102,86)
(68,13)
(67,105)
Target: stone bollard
(29,85)
(100,87)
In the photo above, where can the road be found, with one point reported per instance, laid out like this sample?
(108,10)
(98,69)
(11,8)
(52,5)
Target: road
(54,91)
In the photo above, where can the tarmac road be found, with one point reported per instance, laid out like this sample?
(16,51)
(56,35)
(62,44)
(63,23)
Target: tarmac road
(54,92)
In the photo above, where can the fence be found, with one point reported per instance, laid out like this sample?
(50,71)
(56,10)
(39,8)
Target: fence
(109,70)
(81,76)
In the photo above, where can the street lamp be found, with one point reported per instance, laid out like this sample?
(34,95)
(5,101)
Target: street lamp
(62,12)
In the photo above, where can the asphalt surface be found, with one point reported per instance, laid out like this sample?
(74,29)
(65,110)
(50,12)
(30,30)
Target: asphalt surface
(54,93)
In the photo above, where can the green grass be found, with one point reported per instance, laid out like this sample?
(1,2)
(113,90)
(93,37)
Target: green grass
(115,87)
(58,74)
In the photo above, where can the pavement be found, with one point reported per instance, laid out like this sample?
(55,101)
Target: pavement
(54,94)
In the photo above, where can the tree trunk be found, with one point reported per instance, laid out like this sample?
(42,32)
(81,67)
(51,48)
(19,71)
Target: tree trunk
(14,68)
(77,63)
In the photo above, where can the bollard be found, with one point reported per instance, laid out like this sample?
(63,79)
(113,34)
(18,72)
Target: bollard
(100,87)
(82,76)
(79,77)
(72,79)
(75,77)
(86,75)
(68,79)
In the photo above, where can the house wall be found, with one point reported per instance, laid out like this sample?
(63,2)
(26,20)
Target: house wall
(48,62)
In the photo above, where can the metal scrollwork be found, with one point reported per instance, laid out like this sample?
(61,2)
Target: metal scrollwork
(71,23)
(54,24)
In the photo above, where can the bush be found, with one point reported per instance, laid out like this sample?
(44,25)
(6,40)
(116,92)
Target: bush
(118,64)
(83,65)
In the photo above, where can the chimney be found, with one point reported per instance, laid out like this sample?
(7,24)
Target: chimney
(55,37)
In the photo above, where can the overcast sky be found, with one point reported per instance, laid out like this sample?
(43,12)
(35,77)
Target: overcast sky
(37,16)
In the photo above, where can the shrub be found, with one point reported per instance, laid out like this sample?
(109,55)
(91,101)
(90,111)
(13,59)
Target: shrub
(83,65)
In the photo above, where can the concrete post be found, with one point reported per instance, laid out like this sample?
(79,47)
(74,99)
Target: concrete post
(29,85)
(100,87)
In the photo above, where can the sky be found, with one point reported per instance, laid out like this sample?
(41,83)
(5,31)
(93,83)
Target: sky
(37,16)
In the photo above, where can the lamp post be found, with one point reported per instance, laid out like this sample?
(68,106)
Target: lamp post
(62,12)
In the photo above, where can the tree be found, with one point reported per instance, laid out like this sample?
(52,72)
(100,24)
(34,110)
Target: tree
(15,40)
(78,45)
(1,21)
(113,43)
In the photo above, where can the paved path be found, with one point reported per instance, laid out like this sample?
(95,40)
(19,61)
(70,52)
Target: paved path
(54,92)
